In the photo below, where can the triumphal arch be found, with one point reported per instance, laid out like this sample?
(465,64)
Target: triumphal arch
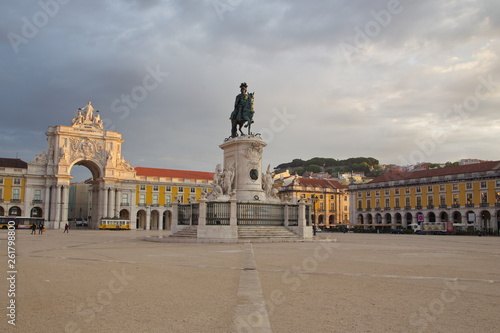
(85,143)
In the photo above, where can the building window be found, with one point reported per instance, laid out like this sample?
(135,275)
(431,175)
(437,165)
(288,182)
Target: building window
(387,204)
(143,188)
(498,183)
(430,200)
(16,194)
(419,201)
(368,194)
(168,189)
(192,190)
(429,188)
(17,181)
(419,190)
(38,195)
(442,188)
(155,188)
(125,198)
(142,199)
(360,204)
(331,197)
(407,202)
(155,199)
(180,189)
(470,200)
(407,190)
(483,184)
(396,191)
(332,205)
(1,194)
(455,199)
(484,197)
(396,203)
(377,193)
(180,198)
(377,203)
(469,186)
(368,204)
(359,194)
(321,206)
(1,180)
(442,200)
(386,192)
(168,200)
(455,187)
(345,197)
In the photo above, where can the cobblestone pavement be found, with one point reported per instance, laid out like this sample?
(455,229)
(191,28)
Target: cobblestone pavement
(114,281)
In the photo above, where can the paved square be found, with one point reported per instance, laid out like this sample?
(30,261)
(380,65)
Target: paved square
(113,281)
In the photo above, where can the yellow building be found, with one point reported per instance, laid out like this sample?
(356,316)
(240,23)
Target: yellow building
(12,186)
(330,199)
(466,195)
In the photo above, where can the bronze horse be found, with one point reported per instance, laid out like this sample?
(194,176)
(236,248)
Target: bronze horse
(242,116)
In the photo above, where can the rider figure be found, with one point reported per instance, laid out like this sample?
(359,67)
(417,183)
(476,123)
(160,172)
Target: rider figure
(240,105)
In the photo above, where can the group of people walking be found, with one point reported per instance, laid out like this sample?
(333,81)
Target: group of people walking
(41,228)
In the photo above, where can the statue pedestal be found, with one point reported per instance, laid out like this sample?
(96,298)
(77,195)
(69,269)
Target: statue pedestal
(244,154)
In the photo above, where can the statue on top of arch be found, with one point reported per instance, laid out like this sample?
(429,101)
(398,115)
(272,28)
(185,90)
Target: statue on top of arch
(85,116)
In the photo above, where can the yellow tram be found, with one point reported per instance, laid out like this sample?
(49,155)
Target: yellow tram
(114,224)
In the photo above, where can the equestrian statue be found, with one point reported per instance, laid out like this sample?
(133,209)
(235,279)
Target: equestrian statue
(243,111)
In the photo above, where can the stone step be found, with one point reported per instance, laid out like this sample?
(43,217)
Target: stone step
(265,232)
(190,232)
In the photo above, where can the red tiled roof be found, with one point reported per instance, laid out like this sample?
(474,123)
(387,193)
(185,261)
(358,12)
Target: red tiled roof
(321,183)
(13,163)
(454,170)
(169,173)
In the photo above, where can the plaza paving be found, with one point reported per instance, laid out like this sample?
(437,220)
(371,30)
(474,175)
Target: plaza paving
(114,281)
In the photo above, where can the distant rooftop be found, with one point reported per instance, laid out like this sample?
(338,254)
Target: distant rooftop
(13,163)
(170,173)
(453,170)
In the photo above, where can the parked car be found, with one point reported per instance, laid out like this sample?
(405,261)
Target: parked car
(81,223)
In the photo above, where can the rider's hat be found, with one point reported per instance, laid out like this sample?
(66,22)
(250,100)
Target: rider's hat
(244,84)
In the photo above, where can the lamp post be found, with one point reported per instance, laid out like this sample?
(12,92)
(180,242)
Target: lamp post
(314,199)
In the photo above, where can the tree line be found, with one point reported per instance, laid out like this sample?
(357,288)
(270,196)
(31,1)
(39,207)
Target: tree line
(369,165)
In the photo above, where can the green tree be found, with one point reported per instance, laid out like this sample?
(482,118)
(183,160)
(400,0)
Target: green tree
(313,168)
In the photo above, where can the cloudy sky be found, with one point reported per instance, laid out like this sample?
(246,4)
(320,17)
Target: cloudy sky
(401,81)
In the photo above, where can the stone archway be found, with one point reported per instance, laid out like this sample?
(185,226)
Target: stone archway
(84,143)
(167,220)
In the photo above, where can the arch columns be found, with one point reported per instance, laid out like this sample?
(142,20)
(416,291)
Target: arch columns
(111,202)
(65,203)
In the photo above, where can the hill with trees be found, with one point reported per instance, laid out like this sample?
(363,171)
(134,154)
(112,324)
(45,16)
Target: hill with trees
(369,165)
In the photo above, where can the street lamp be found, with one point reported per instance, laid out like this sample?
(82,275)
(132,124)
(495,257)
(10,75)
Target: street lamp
(314,199)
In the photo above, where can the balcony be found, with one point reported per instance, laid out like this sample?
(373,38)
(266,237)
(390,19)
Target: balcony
(455,206)
(485,204)
(407,207)
(418,207)
(125,204)
(36,201)
(430,206)
(443,206)
(15,200)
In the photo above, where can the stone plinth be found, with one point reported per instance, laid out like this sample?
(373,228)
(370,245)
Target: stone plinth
(243,154)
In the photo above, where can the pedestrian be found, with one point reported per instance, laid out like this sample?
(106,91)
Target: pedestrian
(40,229)
(33,228)
(66,228)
